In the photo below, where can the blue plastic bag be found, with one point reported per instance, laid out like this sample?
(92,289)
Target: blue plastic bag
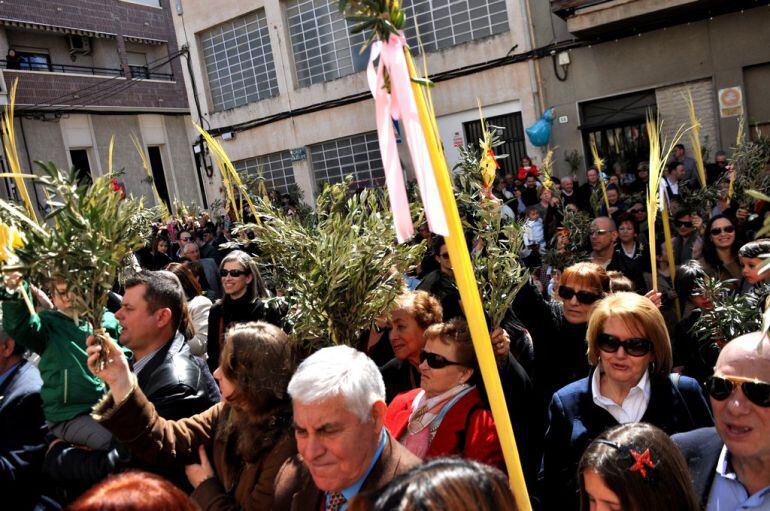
(540,132)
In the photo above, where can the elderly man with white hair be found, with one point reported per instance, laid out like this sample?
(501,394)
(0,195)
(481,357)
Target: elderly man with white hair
(338,398)
(730,464)
(568,193)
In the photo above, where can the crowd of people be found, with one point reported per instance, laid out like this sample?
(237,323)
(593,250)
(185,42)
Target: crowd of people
(200,400)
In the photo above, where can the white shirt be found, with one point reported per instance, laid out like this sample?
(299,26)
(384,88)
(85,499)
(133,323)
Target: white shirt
(634,405)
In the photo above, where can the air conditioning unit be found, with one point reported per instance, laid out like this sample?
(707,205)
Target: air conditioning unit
(79,45)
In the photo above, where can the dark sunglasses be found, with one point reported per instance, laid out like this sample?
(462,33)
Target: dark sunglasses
(436,361)
(444,256)
(584,297)
(679,223)
(185,239)
(636,346)
(757,392)
(716,231)
(232,273)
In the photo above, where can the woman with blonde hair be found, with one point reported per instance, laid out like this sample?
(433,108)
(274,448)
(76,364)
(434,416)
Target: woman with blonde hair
(631,381)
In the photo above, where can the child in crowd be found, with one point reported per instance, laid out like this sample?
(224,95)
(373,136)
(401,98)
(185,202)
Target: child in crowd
(534,232)
(69,389)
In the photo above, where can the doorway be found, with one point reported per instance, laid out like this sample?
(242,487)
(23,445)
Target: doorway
(158,174)
(512,136)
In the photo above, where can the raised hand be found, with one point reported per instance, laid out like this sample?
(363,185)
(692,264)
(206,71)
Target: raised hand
(116,373)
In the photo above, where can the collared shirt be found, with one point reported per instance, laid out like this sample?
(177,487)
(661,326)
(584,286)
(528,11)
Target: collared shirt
(139,364)
(634,405)
(7,373)
(729,494)
(351,491)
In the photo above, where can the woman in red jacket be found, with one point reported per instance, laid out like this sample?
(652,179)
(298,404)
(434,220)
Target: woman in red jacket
(445,416)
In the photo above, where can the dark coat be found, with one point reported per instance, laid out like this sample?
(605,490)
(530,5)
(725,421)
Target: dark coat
(22,443)
(296,491)
(226,313)
(177,385)
(575,421)
(701,449)
(157,441)
(467,430)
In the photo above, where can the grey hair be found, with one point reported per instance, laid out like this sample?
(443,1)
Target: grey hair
(339,371)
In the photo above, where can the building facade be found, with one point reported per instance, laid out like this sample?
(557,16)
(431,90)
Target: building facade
(88,70)
(628,57)
(283,83)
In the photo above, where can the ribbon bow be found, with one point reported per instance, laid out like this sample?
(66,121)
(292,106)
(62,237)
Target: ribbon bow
(397,104)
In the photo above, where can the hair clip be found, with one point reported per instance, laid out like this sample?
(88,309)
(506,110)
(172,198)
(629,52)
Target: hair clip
(642,461)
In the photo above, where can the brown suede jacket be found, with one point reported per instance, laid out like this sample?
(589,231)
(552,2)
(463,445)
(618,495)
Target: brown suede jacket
(237,484)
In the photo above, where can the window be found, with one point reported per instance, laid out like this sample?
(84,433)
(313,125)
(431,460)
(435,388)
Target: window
(358,155)
(275,168)
(137,62)
(325,50)
(30,60)
(151,3)
(239,62)
(445,23)
(321,41)
(81,166)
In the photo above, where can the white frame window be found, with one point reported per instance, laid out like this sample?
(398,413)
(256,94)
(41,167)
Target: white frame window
(358,155)
(239,62)
(275,168)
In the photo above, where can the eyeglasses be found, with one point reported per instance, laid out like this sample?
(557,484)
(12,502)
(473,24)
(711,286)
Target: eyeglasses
(232,273)
(720,388)
(679,223)
(444,256)
(599,232)
(716,231)
(436,361)
(188,238)
(584,297)
(635,346)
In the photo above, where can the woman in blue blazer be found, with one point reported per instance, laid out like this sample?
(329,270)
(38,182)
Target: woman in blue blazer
(629,348)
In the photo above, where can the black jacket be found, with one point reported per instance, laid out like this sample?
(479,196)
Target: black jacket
(226,312)
(22,442)
(574,421)
(701,449)
(176,383)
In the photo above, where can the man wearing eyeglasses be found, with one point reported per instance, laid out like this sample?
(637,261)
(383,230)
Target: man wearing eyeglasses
(730,464)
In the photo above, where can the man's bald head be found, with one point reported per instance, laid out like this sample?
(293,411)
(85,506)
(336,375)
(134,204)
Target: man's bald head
(747,356)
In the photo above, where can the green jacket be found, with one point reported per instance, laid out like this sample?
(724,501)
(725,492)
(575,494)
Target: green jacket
(69,389)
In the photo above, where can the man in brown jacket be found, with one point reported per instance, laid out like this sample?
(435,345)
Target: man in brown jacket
(338,398)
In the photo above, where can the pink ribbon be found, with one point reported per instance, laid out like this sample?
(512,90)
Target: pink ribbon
(400,104)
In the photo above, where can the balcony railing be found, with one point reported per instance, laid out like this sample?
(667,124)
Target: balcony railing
(136,72)
(62,68)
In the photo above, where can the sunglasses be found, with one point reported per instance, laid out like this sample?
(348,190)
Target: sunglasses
(679,223)
(755,391)
(232,273)
(444,256)
(636,346)
(599,232)
(584,297)
(716,231)
(436,361)
(185,239)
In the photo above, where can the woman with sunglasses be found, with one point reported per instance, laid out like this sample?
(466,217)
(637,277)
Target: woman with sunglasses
(629,347)
(445,416)
(243,301)
(720,249)
(558,328)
